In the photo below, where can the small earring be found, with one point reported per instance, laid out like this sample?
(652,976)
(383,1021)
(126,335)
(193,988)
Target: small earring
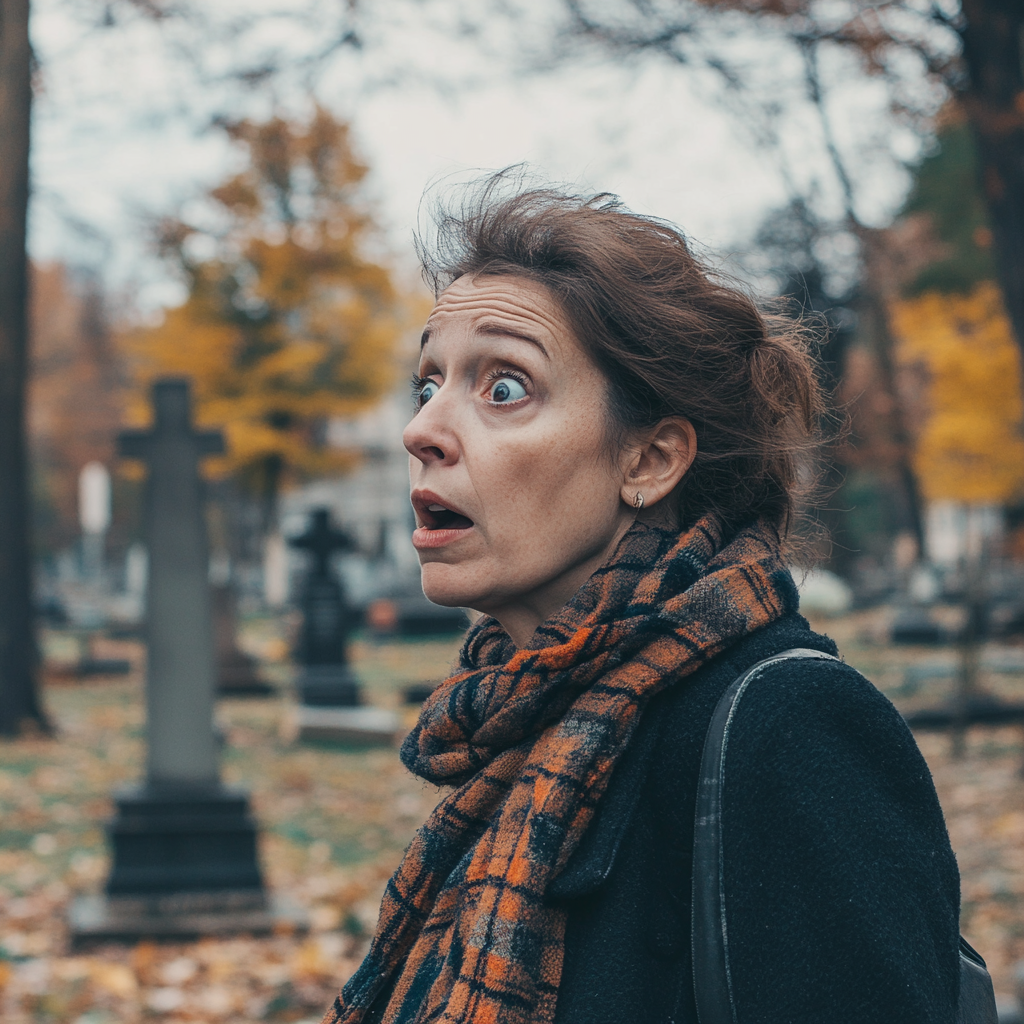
(638,501)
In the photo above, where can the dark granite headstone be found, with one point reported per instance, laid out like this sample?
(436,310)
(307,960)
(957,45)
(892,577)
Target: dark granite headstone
(325,677)
(914,625)
(330,702)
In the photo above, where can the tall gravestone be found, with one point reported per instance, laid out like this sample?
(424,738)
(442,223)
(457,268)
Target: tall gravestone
(183,844)
(330,701)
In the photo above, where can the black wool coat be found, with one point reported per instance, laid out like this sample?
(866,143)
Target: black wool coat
(842,891)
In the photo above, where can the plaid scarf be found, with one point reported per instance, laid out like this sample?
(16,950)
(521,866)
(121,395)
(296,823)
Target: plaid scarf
(530,737)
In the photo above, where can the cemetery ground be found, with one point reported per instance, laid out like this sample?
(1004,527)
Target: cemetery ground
(334,822)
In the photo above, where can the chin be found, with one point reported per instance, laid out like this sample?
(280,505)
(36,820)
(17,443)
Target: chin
(447,585)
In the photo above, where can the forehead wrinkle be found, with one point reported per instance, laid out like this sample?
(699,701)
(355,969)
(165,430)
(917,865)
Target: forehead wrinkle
(497,315)
(496,302)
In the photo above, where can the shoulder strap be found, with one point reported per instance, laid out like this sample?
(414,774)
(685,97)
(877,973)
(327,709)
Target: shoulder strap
(712,981)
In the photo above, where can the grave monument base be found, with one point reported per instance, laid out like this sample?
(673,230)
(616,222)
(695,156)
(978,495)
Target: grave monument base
(328,686)
(347,725)
(97,919)
(184,864)
(173,839)
(238,676)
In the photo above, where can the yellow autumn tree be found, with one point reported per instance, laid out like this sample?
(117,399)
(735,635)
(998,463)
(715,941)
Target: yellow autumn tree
(969,447)
(287,322)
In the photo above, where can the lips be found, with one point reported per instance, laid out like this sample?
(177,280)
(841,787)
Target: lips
(435,513)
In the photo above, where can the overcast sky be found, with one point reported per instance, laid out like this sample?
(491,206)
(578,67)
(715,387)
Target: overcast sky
(121,116)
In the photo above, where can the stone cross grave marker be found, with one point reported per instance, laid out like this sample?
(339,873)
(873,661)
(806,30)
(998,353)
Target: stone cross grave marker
(182,747)
(326,679)
(184,846)
(329,691)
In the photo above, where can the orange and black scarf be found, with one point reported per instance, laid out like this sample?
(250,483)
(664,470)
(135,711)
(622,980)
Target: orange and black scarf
(530,739)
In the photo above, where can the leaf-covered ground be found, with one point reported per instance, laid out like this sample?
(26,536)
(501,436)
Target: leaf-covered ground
(335,821)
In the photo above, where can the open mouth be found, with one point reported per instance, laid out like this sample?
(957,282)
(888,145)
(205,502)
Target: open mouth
(436,516)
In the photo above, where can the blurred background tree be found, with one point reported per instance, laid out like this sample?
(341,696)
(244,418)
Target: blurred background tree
(971,50)
(969,446)
(76,396)
(952,323)
(288,321)
(19,699)
(947,200)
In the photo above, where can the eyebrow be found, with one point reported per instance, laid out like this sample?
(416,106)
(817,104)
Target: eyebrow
(501,331)
(497,331)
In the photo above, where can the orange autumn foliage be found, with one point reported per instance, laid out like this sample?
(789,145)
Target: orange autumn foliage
(969,447)
(287,322)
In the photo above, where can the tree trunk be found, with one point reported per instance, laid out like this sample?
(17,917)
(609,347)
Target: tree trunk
(993,41)
(19,701)
(878,291)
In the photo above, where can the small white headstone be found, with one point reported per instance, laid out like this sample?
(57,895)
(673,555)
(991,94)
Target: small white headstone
(275,571)
(94,498)
(924,586)
(823,592)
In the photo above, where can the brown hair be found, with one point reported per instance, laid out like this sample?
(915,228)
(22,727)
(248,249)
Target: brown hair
(670,336)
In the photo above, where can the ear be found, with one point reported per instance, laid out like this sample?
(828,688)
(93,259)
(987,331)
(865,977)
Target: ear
(659,459)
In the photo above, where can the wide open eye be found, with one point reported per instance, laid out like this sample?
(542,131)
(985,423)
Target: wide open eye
(506,389)
(425,391)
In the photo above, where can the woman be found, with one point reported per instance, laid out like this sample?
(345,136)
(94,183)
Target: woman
(603,461)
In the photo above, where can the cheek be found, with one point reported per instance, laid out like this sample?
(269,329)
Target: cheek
(542,485)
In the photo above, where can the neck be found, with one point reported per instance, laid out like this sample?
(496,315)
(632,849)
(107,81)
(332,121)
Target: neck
(520,618)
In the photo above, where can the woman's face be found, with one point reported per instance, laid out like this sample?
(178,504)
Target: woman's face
(518,498)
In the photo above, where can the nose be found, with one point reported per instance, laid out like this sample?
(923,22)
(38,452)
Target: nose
(430,436)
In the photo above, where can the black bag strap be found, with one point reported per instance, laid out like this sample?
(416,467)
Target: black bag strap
(977,995)
(712,981)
